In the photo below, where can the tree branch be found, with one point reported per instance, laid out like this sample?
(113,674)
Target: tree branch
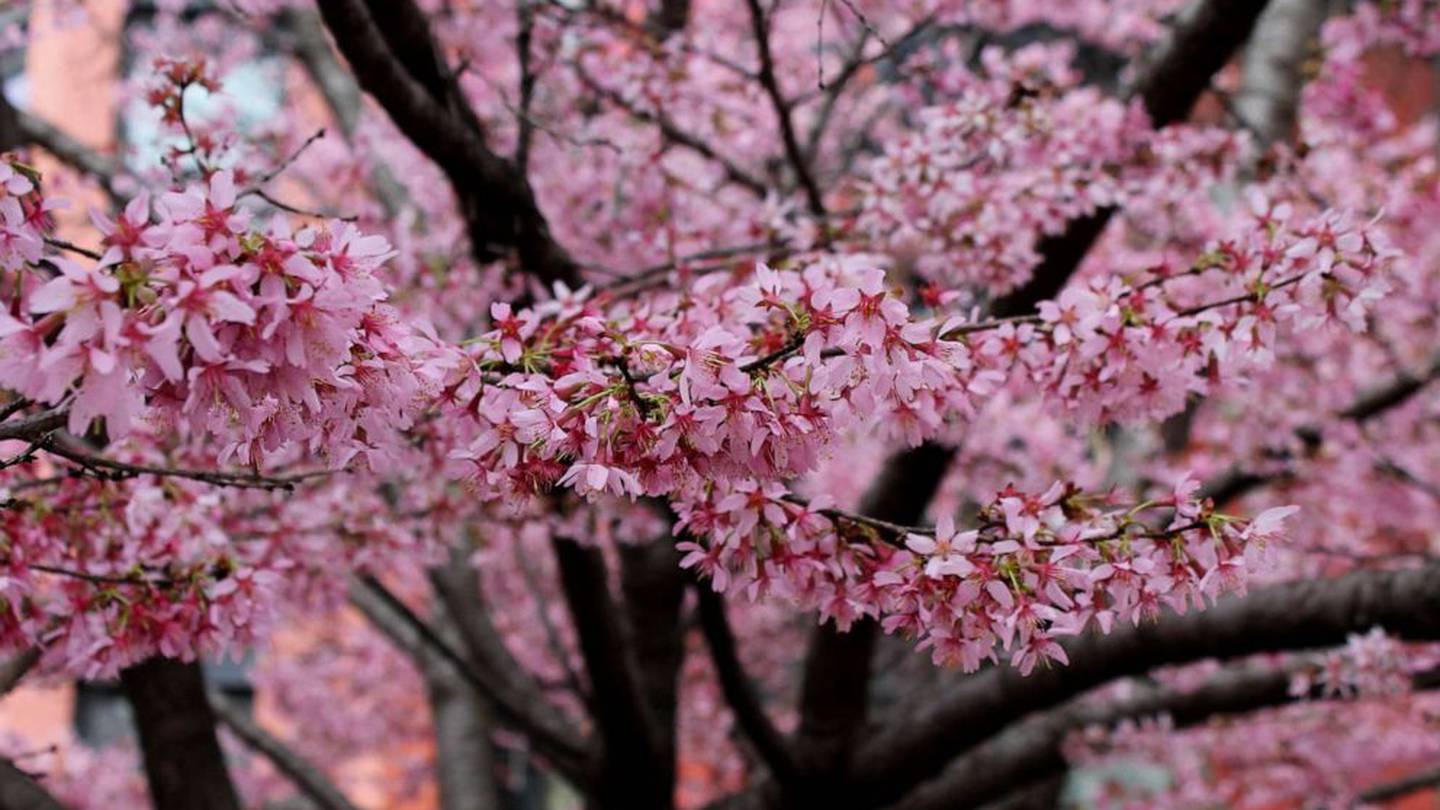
(457,585)
(183,763)
(617,703)
(1293,616)
(668,18)
(23,127)
(834,696)
(304,775)
(1273,67)
(1174,80)
(411,633)
(1033,751)
(672,131)
(19,791)
(1236,482)
(498,204)
(34,427)
(738,689)
(1404,786)
(760,28)
(15,668)
(652,589)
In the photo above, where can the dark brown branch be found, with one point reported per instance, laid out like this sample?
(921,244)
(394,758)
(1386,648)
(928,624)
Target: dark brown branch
(628,777)
(760,28)
(652,589)
(407,33)
(304,775)
(668,18)
(1033,750)
(1393,394)
(1236,482)
(35,427)
(183,763)
(498,204)
(15,668)
(1401,787)
(1168,88)
(19,791)
(1300,615)
(834,695)
(1202,43)
(219,478)
(411,633)
(672,132)
(1043,795)
(738,689)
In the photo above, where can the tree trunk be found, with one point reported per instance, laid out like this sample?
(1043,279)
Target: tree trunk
(183,762)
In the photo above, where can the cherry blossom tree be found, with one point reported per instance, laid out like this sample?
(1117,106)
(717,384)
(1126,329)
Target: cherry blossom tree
(731,404)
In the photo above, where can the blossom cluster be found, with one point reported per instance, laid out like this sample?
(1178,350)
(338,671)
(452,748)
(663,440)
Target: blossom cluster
(753,380)
(1035,567)
(195,318)
(1021,151)
(1372,664)
(101,574)
(748,379)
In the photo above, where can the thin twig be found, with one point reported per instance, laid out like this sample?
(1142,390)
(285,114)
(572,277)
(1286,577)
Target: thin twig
(214,477)
(760,27)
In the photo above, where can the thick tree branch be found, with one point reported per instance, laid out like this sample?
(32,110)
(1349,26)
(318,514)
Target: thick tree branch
(1404,786)
(834,694)
(498,204)
(457,586)
(465,754)
(628,777)
(668,18)
(16,667)
(737,687)
(1043,795)
(304,775)
(407,33)
(1237,482)
(412,634)
(183,763)
(1168,87)
(652,587)
(1032,751)
(19,791)
(1294,616)
(34,427)
(465,767)
(1273,69)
